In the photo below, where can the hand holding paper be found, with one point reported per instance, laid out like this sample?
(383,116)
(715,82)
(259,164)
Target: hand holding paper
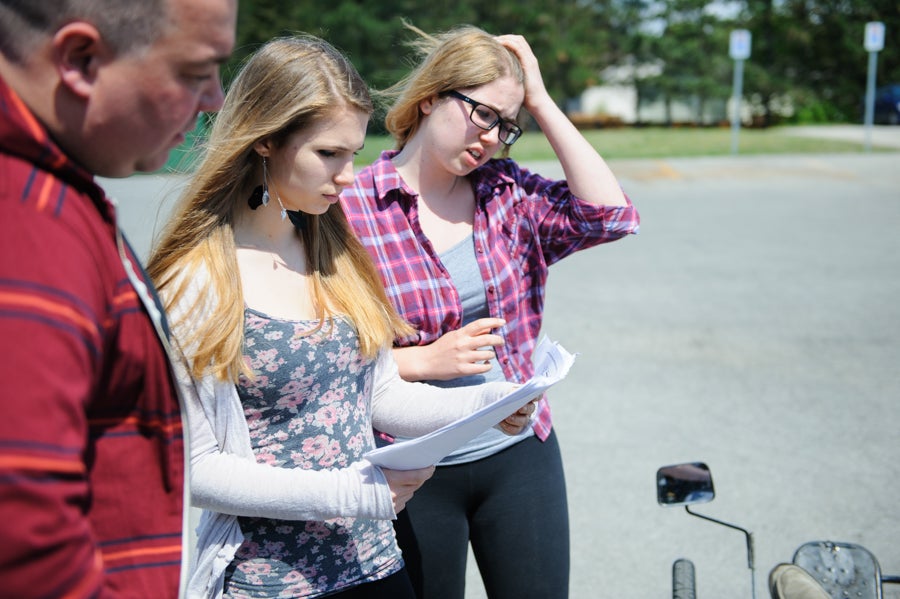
(552,363)
(519,420)
(404,483)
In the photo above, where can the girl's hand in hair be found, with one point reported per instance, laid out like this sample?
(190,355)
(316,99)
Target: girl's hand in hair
(588,175)
(535,92)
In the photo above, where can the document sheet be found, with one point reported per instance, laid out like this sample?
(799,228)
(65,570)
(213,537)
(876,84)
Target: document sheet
(552,363)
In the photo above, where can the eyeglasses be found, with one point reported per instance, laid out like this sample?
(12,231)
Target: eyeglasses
(487,118)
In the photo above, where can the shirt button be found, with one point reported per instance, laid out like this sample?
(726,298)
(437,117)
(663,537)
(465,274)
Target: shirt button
(490,290)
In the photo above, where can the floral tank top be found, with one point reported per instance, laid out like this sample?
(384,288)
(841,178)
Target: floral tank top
(308,407)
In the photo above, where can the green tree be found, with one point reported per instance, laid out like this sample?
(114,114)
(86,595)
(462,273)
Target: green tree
(811,51)
(573,39)
(807,51)
(692,48)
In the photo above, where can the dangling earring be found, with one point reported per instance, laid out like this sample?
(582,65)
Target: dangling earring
(265,193)
(284,213)
(260,195)
(265,198)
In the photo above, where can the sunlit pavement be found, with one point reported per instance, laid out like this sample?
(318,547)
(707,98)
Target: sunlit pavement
(878,135)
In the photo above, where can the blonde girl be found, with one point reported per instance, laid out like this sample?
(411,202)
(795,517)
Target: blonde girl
(286,329)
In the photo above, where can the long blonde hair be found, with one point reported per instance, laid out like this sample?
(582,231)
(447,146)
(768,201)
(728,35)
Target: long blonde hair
(463,57)
(287,85)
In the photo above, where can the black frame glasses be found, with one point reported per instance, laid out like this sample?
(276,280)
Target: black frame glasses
(485,117)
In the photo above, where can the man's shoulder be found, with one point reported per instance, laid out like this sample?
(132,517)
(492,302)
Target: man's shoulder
(34,191)
(54,234)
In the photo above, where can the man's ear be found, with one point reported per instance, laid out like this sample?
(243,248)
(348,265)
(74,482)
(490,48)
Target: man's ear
(78,52)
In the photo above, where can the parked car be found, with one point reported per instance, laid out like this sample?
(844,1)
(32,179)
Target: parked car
(887,104)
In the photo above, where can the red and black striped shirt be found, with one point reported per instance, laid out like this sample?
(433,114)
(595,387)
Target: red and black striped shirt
(91,447)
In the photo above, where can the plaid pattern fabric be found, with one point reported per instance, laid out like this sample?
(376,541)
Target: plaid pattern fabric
(523,224)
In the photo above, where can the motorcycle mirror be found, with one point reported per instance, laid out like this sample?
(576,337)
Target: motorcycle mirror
(684,484)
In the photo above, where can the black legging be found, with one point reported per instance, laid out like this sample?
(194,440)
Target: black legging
(512,506)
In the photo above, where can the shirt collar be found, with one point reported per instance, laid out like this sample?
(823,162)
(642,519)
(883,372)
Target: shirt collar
(386,179)
(492,178)
(23,135)
(390,186)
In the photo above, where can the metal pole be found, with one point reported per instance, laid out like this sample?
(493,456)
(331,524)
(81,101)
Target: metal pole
(870,100)
(751,553)
(737,85)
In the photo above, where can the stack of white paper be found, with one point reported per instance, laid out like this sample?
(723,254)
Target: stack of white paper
(552,363)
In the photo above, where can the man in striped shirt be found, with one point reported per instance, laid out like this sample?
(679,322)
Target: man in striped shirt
(91,447)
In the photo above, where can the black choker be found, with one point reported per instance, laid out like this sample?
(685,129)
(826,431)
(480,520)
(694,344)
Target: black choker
(298,219)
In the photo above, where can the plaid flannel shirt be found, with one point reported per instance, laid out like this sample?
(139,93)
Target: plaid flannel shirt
(523,224)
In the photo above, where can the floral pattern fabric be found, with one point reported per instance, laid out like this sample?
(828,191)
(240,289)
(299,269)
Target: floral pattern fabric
(308,406)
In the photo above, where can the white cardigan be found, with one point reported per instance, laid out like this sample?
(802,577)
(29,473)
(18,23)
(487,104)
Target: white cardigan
(227,481)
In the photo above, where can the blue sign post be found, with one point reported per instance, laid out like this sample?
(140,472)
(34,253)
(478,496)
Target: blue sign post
(874,43)
(739,50)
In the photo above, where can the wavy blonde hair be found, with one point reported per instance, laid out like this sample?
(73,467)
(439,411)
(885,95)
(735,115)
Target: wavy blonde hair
(289,84)
(460,58)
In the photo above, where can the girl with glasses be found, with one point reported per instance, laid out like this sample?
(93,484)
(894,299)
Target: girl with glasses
(287,333)
(463,241)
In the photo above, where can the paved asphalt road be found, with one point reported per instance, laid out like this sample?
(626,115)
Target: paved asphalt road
(754,324)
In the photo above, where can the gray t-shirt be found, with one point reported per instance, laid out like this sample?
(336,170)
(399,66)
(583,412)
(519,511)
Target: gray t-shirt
(461,263)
